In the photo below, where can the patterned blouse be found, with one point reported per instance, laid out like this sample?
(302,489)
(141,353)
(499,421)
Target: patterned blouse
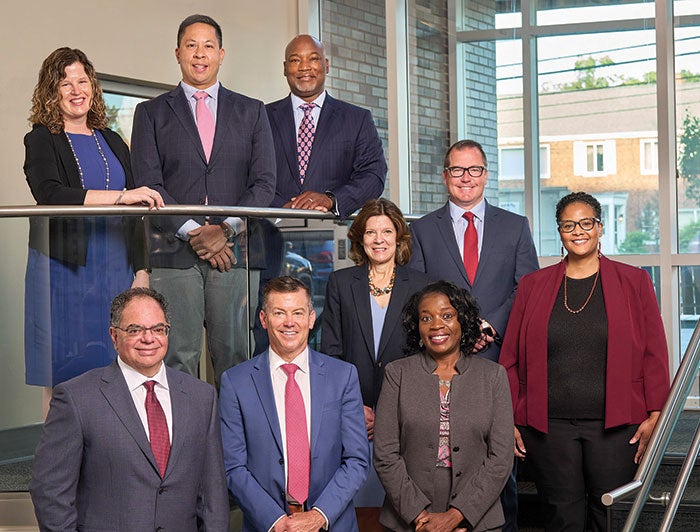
(444,458)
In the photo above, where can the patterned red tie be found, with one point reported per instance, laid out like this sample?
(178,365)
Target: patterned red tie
(471,248)
(298,456)
(157,428)
(205,122)
(305,139)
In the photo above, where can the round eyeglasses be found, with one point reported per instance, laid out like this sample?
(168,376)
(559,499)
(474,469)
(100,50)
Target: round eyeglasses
(133,331)
(458,171)
(568,226)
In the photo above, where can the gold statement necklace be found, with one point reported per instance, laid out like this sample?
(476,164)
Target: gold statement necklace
(376,292)
(590,295)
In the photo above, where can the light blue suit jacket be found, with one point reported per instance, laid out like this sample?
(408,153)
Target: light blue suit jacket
(252,441)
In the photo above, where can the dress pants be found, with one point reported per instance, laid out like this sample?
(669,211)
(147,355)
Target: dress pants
(202,296)
(574,464)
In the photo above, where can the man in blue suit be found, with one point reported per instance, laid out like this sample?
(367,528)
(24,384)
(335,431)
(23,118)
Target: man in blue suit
(505,249)
(202,144)
(262,468)
(346,164)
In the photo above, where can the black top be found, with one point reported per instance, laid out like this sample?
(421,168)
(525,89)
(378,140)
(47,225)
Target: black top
(577,352)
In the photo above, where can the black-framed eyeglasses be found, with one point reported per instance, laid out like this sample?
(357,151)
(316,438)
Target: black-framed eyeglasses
(159,329)
(458,171)
(568,226)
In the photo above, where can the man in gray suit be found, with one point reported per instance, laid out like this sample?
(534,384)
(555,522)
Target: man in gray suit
(504,253)
(105,460)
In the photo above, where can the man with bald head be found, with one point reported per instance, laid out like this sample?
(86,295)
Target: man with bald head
(328,152)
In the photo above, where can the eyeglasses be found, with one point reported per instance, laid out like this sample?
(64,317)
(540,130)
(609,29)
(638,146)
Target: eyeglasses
(458,171)
(159,329)
(568,226)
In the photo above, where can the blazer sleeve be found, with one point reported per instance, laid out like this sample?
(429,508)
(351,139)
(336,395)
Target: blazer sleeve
(404,494)
(331,323)
(56,468)
(484,488)
(47,178)
(417,261)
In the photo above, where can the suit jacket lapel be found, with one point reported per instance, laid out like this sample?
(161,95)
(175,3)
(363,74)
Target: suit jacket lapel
(225,111)
(68,160)
(178,103)
(283,118)
(444,226)
(118,396)
(180,404)
(360,296)
(393,313)
(317,378)
(489,235)
(263,385)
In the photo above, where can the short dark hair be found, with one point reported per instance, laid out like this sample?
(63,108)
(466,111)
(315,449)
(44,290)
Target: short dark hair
(578,197)
(285,285)
(463,145)
(121,300)
(379,207)
(460,299)
(197,19)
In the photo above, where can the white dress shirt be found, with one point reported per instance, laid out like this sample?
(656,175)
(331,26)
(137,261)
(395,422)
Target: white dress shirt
(459,223)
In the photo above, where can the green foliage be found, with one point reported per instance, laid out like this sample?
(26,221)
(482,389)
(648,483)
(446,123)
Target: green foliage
(689,155)
(634,243)
(687,234)
(687,75)
(111,111)
(586,75)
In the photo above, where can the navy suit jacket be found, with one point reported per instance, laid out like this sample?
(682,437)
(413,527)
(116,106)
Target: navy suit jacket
(347,331)
(252,440)
(167,155)
(507,253)
(346,159)
(94,468)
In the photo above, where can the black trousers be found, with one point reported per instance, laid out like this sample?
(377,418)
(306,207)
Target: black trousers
(574,464)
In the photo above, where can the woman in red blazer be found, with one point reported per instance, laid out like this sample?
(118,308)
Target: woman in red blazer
(587,362)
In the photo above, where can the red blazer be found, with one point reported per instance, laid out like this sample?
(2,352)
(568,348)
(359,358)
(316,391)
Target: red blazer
(637,378)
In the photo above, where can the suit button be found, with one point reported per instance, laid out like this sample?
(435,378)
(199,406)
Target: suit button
(459,474)
(161,491)
(281,461)
(379,364)
(202,201)
(208,171)
(455,449)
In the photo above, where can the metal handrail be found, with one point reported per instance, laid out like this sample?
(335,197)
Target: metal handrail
(681,483)
(646,472)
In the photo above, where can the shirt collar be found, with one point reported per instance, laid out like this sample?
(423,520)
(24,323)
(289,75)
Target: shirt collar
(296,101)
(212,91)
(134,379)
(301,360)
(457,212)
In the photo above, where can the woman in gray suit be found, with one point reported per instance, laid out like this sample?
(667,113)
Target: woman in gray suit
(443,426)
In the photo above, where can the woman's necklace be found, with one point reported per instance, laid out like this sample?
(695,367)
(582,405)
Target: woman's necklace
(566,303)
(376,292)
(80,168)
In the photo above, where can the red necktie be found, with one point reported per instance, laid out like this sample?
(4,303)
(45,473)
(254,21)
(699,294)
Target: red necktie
(471,248)
(157,428)
(305,139)
(205,122)
(298,456)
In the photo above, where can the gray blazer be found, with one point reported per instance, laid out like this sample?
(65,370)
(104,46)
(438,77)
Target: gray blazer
(406,432)
(94,468)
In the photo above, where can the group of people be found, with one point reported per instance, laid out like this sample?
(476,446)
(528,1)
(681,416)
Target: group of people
(447,355)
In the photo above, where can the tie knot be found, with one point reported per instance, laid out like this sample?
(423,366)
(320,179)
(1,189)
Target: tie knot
(200,95)
(307,107)
(469,215)
(290,369)
(149,385)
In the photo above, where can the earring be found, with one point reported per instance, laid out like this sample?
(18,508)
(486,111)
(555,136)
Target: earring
(599,249)
(562,252)
(420,343)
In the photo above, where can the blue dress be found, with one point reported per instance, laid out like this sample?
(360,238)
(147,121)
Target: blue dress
(67,305)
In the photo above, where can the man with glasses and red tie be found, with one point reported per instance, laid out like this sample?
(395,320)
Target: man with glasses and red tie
(135,445)
(293,425)
(482,248)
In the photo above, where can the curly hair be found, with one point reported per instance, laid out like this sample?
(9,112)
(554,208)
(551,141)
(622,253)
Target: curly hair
(460,299)
(578,197)
(46,98)
(379,207)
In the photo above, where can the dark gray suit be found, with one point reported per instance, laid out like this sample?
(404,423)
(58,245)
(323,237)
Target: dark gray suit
(406,433)
(94,468)
(507,253)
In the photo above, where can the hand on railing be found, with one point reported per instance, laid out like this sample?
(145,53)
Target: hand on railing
(643,434)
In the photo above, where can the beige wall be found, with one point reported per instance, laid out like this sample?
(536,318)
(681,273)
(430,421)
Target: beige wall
(130,38)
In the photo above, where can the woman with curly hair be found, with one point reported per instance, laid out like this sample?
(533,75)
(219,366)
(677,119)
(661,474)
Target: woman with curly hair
(76,265)
(443,433)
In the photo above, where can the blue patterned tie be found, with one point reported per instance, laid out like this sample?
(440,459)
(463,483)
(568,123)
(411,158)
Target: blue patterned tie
(305,139)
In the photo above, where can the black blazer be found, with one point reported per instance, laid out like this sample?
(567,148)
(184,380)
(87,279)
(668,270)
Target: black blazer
(54,179)
(347,324)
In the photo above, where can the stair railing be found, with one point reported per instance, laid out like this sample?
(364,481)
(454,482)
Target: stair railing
(651,461)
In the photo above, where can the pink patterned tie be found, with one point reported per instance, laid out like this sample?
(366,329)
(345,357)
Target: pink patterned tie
(305,139)
(157,428)
(471,248)
(205,122)
(298,456)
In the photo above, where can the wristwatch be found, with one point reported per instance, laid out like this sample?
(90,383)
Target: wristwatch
(334,205)
(229,233)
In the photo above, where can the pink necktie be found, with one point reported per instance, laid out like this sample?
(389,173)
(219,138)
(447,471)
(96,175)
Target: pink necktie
(205,122)
(157,428)
(305,139)
(298,456)
(471,248)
